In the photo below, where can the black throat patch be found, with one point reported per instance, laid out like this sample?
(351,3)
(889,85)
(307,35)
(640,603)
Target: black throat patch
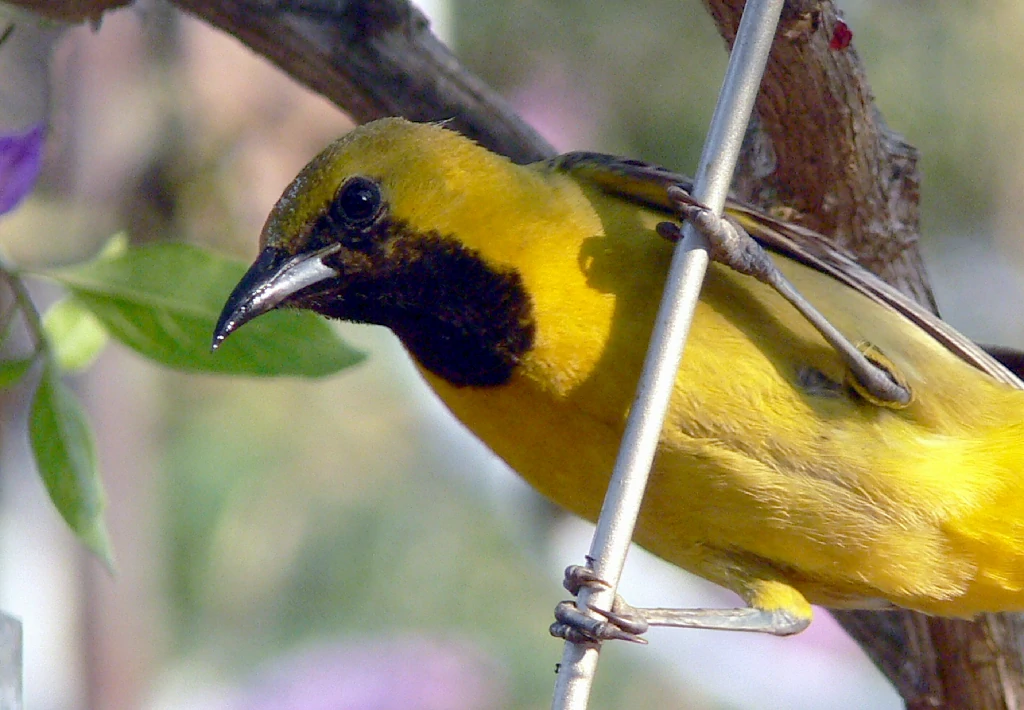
(463,319)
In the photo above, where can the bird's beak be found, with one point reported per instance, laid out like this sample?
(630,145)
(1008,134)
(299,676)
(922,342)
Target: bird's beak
(274,276)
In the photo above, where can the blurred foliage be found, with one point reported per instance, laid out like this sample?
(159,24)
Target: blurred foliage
(162,301)
(946,75)
(621,60)
(352,527)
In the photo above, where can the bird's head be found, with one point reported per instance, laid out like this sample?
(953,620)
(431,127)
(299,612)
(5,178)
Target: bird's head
(388,225)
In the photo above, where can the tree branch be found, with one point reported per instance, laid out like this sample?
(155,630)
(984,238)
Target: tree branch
(833,161)
(836,164)
(71,10)
(375,59)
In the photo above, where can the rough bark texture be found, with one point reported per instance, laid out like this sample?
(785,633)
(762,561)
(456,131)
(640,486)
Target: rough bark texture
(828,154)
(821,150)
(71,10)
(824,151)
(375,59)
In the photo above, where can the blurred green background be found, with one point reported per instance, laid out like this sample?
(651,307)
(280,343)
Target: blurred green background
(345,537)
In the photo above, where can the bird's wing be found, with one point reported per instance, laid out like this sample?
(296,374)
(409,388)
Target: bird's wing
(647,184)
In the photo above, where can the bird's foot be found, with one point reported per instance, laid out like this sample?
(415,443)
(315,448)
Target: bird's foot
(873,376)
(788,614)
(621,623)
(728,242)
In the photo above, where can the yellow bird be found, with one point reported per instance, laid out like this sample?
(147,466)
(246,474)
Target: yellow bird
(526,296)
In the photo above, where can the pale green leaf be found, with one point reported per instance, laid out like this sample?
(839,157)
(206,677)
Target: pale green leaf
(75,335)
(114,247)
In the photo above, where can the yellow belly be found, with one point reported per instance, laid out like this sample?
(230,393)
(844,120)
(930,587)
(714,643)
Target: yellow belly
(757,481)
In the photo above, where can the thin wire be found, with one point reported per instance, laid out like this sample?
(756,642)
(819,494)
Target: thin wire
(675,314)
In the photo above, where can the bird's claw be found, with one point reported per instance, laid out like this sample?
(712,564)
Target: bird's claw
(873,376)
(577,577)
(575,626)
(622,623)
(627,619)
(728,242)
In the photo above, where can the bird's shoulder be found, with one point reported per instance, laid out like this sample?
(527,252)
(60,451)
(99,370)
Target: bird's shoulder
(647,183)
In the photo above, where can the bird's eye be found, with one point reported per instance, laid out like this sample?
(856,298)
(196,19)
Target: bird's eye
(358,202)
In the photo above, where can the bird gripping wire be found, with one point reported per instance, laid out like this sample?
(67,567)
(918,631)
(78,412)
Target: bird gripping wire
(686,274)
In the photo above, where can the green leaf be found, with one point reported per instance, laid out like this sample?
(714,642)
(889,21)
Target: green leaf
(114,247)
(11,371)
(75,335)
(63,447)
(163,301)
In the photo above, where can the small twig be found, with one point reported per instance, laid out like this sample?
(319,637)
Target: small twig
(23,303)
(7,34)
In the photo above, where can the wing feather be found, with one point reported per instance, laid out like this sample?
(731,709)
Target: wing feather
(646,183)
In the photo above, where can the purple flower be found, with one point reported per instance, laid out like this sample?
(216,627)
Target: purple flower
(405,673)
(21,158)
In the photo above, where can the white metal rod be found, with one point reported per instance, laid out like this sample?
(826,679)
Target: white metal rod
(675,314)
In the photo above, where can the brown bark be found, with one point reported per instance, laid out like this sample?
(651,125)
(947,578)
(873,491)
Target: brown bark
(845,174)
(823,152)
(375,59)
(836,164)
(71,10)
